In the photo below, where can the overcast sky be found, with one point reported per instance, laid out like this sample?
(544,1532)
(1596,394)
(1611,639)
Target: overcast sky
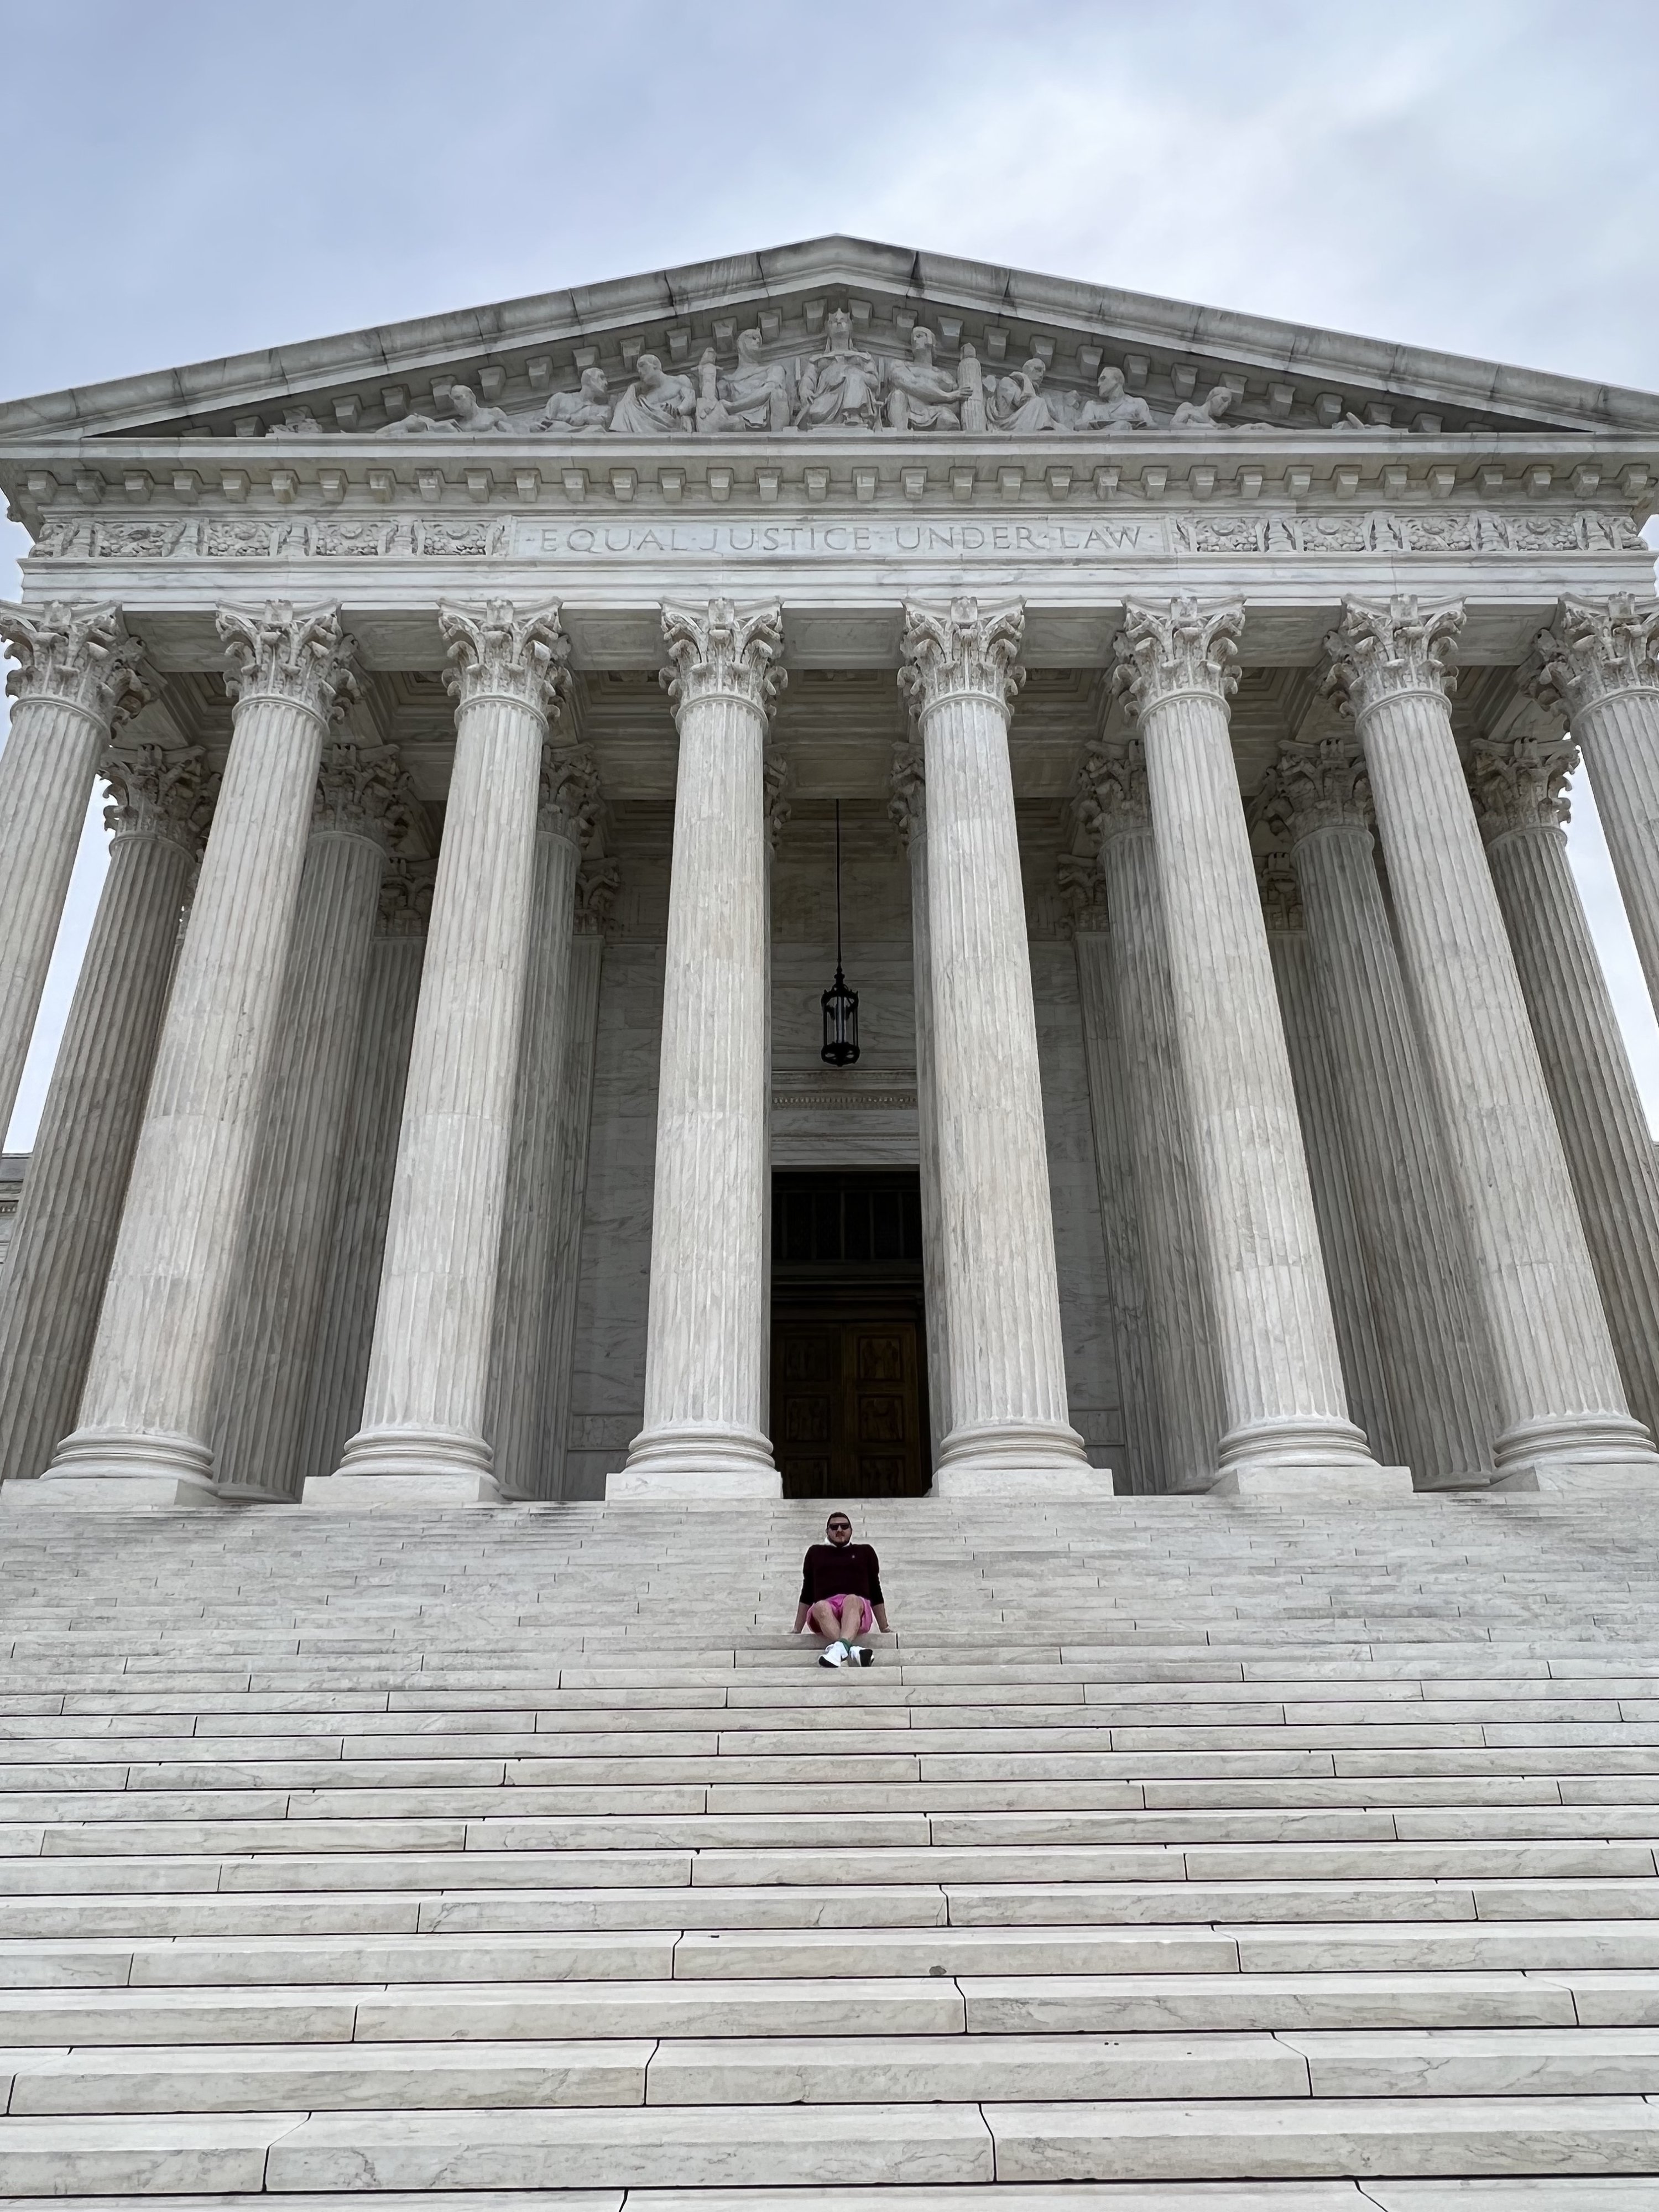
(188,181)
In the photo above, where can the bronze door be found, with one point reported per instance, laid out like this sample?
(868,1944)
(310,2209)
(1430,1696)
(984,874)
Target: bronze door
(846,1405)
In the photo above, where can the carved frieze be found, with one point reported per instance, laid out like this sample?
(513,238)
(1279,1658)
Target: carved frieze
(1248,535)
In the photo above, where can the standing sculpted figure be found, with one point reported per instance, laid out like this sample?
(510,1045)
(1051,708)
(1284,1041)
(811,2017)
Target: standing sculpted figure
(919,396)
(1113,408)
(1201,416)
(757,395)
(840,386)
(582,410)
(1021,406)
(655,401)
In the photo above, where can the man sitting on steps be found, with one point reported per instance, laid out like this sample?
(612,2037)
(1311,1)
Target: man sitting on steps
(841,1595)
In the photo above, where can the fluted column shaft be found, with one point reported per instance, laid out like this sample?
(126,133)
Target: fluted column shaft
(520,1349)
(1009,1432)
(264,1364)
(1601,661)
(708,1334)
(1327,1156)
(345,1331)
(1437,1362)
(909,812)
(1145,1458)
(422,1435)
(146,1415)
(586,960)
(1178,1298)
(1281,1372)
(1560,1398)
(73,685)
(1520,788)
(59,1255)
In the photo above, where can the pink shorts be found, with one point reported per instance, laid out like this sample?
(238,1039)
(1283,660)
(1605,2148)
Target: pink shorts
(846,1599)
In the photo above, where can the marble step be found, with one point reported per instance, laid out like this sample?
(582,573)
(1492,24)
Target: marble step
(734,2146)
(460,1911)
(846,2070)
(1518,2193)
(1150,2003)
(830,1953)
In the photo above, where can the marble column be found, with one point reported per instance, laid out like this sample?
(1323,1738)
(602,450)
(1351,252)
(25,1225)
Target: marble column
(1601,662)
(908,809)
(1561,1402)
(596,886)
(345,1332)
(1520,786)
(519,1359)
(707,1338)
(61,1247)
(270,1336)
(1178,1298)
(1141,1466)
(1287,1411)
(73,686)
(1326,1154)
(146,1415)
(1009,1435)
(1434,1354)
(422,1435)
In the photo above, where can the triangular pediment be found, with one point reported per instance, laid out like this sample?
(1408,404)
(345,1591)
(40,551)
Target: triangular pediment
(518,367)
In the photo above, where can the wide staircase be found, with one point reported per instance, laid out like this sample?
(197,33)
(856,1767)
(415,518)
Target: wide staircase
(1220,1856)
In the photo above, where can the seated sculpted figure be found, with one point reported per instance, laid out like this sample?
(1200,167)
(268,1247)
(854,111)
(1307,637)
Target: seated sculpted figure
(919,396)
(1201,416)
(756,395)
(841,386)
(655,402)
(301,424)
(1021,406)
(1113,408)
(587,409)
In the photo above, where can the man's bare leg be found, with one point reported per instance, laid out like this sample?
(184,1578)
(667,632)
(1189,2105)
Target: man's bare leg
(822,1622)
(851,1621)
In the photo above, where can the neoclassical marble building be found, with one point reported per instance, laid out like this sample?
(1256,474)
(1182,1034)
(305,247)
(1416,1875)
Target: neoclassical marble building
(497,712)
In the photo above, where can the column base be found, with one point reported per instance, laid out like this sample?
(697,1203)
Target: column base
(140,1468)
(452,1458)
(1019,1450)
(1033,1484)
(103,1493)
(1565,1478)
(693,1459)
(1302,1482)
(361,1493)
(1576,1441)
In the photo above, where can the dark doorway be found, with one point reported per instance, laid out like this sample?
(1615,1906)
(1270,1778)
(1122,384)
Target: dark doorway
(850,1358)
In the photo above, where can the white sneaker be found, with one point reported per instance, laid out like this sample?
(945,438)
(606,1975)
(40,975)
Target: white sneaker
(863,1655)
(834,1656)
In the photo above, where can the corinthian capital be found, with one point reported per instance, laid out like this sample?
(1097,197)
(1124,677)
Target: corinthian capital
(598,882)
(907,809)
(361,791)
(1521,783)
(724,649)
(495,650)
(778,772)
(278,652)
(569,801)
(1321,786)
(80,656)
(1188,647)
(1114,799)
(956,648)
(155,792)
(406,891)
(1595,649)
(1384,651)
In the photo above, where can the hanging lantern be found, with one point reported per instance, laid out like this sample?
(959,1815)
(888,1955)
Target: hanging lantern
(840,1006)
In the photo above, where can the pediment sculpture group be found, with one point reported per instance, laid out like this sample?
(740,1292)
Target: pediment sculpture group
(843,387)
